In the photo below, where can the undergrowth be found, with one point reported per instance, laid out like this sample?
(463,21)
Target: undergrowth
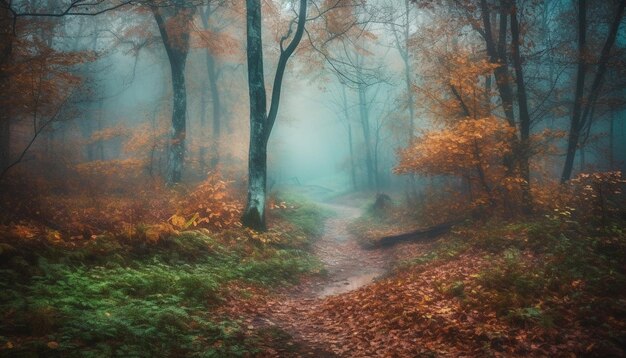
(540,263)
(302,213)
(133,297)
(380,218)
(544,273)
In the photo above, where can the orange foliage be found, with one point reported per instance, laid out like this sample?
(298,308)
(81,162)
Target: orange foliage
(210,204)
(36,79)
(340,16)
(587,198)
(177,25)
(113,197)
(219,44)
(458,149)
(473,151)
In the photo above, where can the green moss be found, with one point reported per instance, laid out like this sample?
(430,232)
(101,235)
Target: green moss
(302,213)
(136,300)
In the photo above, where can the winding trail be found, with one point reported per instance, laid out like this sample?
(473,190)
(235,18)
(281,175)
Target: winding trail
(348,267)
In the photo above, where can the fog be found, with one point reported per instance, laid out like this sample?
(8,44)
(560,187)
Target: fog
(349,102)
(312,178)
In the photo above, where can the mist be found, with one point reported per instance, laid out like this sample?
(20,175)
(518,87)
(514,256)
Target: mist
(332,178)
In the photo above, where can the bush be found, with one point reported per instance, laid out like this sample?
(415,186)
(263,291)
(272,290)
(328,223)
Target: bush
(115,297)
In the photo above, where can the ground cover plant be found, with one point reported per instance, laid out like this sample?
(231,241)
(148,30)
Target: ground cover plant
(114,295)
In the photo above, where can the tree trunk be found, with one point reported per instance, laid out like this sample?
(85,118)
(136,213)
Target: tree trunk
(217,110)
(352,165)
(203,115)
(523,150)
(344,98)
(375,162)
(574,131)
(497,55)
(261,121)
(407,71)
(365,126)
(254,214)
(177,50)
(179,123)
(582,158)
(215,98)
(582,108)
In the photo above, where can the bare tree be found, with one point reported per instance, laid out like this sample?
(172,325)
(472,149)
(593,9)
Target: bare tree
(262,121)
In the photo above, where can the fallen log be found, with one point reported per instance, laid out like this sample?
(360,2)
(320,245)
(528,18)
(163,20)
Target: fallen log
(416,235)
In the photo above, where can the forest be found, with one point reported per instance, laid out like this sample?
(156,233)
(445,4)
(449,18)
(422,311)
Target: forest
(312,178)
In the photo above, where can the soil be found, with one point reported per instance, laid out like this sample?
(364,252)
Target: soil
(348,267)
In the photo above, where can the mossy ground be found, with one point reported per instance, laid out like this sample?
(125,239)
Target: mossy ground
(121,296)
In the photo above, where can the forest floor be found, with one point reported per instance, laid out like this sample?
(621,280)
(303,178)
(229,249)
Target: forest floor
(538,286)
(348,266)
(508,290)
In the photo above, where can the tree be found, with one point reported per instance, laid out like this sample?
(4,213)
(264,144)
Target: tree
(262,121)
(36,80)
(583,105)
(508,39)
(173,23)
(402,36)
(213,38)
(216,103)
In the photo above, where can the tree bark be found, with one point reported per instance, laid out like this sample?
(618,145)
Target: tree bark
(217,109)
(261,123)
(523,150)
(254,214)
(367,140)
(216,105)
(344,98)
(497,55)
(582,108)
(177,51)
(574,131)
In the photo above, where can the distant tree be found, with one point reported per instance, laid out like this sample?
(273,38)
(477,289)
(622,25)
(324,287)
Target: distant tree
(343,42)
(584,103)
(174,24)
(216,102)
(399,23)
(36,81)
(213,38)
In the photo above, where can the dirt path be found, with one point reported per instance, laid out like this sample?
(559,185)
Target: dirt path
(348,265)
(348,268)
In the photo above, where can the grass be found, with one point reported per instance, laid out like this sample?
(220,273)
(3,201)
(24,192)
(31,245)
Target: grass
(302,213)
(132,298)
